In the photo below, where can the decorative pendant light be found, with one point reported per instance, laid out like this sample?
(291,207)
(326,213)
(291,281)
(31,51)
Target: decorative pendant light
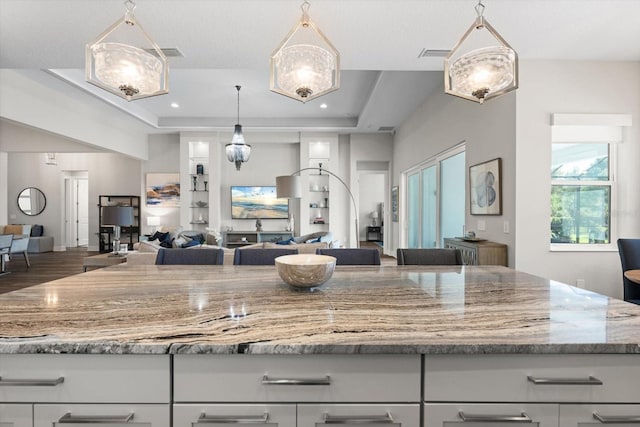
(482,73)
(305,65)
(237,151)
(127,71)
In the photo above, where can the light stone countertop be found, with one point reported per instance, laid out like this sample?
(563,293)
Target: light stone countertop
(150,309)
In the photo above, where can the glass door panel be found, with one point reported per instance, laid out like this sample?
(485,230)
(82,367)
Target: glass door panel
(430,207)
(452,197)
(413,210)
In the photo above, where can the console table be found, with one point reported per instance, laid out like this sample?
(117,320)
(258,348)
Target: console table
(479,252)
(374,233)
(235,239)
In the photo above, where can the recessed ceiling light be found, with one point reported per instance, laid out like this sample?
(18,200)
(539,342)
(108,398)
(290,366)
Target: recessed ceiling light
(323,106)
(175,105)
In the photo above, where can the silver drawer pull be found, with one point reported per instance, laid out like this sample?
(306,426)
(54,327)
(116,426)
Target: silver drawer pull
(617,419)
(234,419)
(46,383)
(294,381)
(471,418)
(358,419)
(94,419)
(565,381)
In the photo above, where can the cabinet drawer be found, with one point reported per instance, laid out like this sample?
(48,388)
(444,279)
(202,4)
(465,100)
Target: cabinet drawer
(479,415)
(190,415)
(361,415)
(111,415)
(86,378)
(596,415)
(561,378)
(268,378)
(15,416)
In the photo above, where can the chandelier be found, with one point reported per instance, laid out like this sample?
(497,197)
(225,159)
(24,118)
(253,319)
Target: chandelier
(482,73)
(127,71)
(237,151)
(305,65)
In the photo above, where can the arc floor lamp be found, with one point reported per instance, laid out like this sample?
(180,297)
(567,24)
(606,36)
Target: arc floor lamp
(288,186)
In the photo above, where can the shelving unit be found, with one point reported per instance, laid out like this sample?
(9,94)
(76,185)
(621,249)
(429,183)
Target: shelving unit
(236,239)
(128,235)
(199,184)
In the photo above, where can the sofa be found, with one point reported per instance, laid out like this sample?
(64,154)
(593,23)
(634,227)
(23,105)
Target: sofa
(147,251)
(20,242)
(38,242)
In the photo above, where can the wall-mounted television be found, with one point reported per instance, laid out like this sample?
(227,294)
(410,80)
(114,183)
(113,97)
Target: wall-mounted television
(252,202)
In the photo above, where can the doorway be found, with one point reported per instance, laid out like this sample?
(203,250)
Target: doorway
(372,200)
(76,212)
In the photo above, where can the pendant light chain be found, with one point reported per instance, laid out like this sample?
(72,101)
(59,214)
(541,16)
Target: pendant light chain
(238,89)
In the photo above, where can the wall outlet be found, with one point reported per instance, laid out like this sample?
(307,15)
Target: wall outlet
(505,226)
(12,216)
(580,283)
(482,226)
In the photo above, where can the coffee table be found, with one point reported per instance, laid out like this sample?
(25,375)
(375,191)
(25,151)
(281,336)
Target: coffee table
(103,260)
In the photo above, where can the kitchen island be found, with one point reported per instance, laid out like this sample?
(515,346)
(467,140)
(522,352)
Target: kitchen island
(421,345)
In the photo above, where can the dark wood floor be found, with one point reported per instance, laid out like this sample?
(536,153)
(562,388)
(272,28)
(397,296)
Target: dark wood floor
(44,268)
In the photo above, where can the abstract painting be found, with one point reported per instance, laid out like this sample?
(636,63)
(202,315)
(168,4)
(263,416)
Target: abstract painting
(485,188)
(163,189)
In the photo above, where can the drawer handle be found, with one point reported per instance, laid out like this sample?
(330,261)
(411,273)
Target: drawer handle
(234,419)
(616,419)
(522,418)
(93,419)
(357,419)
(565,381)
(295,381)
(47,383)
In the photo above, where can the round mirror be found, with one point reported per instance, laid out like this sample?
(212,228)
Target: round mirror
(31,201)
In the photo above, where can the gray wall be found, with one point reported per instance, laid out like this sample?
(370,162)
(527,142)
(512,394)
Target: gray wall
(444,121)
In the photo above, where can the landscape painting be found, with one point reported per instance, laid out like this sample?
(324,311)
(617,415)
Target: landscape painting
(253,202)
(163,189)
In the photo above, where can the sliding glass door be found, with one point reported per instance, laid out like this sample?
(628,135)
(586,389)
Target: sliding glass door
(436,200)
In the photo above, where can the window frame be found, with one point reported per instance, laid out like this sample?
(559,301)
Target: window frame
(613,202)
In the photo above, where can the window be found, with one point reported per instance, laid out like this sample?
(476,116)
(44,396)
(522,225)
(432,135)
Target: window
(582,189)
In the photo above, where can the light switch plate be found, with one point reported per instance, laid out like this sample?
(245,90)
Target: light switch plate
(482,225)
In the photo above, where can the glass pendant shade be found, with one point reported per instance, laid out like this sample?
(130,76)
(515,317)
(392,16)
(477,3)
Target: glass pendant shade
(127,71)
(483,73)
(238,151)
(305,65)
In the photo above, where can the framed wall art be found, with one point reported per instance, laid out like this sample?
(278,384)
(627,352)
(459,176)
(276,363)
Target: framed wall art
(485,188)
(163,189)
(394,204)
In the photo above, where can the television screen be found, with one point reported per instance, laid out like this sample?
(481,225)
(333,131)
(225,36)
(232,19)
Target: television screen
(251,202)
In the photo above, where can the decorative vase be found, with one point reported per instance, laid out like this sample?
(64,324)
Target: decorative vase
(195,183)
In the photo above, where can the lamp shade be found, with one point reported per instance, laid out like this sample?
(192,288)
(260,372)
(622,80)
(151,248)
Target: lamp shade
(117,215)
(374,214)
(288,186)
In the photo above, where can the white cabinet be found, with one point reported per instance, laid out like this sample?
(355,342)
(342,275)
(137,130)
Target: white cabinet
(273,415)
(84,378)
(533,378)
(565,390)
(482,415)
(596,415)
(18,415)
(297,390)
(362,415)
(113,415)
(296,378)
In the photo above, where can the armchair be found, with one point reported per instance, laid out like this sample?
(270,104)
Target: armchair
(20,243)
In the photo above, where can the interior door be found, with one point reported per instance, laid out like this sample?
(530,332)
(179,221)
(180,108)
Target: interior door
(82,209)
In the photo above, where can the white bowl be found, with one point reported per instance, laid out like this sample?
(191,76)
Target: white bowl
(305,270)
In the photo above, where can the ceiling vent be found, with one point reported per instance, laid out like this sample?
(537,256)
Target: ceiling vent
(386,129)
(433,53)
(169,52)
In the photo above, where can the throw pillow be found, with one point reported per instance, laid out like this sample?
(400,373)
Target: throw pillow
(159,236)
(37,230)
(167,243)
(285,242)
(191,243)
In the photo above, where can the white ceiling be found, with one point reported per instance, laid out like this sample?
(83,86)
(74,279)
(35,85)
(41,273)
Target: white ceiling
(228,42)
